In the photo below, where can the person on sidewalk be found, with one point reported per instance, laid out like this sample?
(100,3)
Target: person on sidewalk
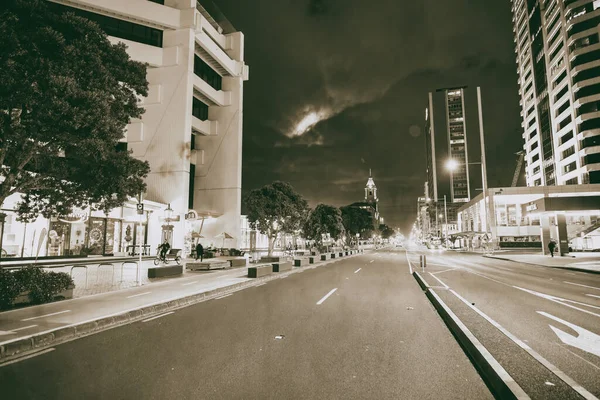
(199,251)
(551,247)
(164,248)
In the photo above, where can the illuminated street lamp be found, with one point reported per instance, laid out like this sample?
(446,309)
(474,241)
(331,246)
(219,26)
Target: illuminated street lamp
(167,228)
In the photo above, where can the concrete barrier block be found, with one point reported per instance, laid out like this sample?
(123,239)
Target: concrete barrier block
(238,262)
(43,340)
(105,322)
(121,318)
(86,328)
(333,255)
(300,262)
(311,260)
(167,270)
(324,257)
(135,314)
(17,347)
(63,334)
(282,266)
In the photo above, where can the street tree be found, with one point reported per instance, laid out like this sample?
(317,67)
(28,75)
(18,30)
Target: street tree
(324,220)
(275,209)
(66,96)
(386,231)
(356,220)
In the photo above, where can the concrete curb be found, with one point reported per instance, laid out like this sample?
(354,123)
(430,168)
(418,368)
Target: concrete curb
(19,347)
(567,267)
(500,383)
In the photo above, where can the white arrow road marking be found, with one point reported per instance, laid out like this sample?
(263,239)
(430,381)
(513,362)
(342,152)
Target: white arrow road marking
(578,284)
(560,300)
(326,296)
(586,341)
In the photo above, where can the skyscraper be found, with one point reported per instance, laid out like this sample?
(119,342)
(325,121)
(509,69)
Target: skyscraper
(431,187)
(460,190)
(558,60)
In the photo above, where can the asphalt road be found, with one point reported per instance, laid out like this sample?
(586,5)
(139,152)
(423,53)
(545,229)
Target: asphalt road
(555,312)
(360,328)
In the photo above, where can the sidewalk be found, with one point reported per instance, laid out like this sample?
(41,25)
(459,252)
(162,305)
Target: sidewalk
(587,262)
(25,329)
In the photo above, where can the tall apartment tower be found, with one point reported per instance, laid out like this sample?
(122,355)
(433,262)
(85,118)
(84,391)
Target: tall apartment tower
(191,132)
(431,186)
(460,189)
(558,60)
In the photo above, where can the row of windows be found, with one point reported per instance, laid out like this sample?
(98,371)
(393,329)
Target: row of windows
(584,42)
(199,109)
(591,159)
(587,91)
(116,27)
(586,58)
(587,74)
(589,124)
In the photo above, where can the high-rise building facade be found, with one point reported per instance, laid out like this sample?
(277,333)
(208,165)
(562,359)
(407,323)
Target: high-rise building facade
(460,190)
(558,59)
(431,187)
(191,132)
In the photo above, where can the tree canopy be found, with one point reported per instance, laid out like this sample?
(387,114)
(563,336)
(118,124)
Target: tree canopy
(66,96)
(356,220)
(386,231)
(323,220)
(276,208)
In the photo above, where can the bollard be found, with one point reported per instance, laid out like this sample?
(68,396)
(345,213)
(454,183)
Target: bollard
(423,260)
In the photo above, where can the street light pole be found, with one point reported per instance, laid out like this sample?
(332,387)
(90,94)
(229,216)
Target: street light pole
(445,222)
(483,165)
(2,220)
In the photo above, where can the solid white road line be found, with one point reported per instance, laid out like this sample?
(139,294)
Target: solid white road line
(371,261)
(591,295)
(39,353)
(47,315)
(222,297)
(357,270)
(326,296)
(409,264)
(262,284)
(568,380)
(578,284)
(438,279)
(137,295)
(189,283)
(158,316)
(23,328)
(560,300)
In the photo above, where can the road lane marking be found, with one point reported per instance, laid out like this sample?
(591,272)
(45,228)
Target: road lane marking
(23,328)
(262,284)
(357,270)
(326,296)
(371,261)
(222,297)
(438,279)
(137,295)
(560,300)
(409,264)
(47,315)
(593,295)
(579,284)
(585,340)
(564,377)
(564,346)
(158,316)
(39,353)
(189,283)
(446,270)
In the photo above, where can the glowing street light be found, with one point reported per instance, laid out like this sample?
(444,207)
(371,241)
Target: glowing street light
(452,165)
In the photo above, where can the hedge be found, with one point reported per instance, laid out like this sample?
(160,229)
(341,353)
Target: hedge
(43,286)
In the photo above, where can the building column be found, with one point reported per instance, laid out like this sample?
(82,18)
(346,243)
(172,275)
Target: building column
(545,232)
(563,240)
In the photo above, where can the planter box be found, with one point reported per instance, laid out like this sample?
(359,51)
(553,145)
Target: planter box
(261,270)
(341,253)
(333,255)
(311,260)
(282,266)
(168,270)
(299,262)
(324,257)
(23,298)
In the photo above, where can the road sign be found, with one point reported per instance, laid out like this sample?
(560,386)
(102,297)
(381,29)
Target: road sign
(140,208)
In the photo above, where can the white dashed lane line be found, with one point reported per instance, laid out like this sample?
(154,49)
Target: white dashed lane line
(138,295)
(47,315)
(326,296)
(357,270)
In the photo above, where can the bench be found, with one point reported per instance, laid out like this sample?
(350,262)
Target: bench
(300,262)
(167,270)
(260,270)
(282,266)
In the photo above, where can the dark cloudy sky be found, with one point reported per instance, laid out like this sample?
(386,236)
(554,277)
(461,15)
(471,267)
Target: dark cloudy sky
(363,70)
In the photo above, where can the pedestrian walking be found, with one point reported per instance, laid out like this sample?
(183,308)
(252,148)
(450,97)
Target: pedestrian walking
(551,247)
(199,251)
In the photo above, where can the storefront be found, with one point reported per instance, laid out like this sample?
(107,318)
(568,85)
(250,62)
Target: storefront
(83,232)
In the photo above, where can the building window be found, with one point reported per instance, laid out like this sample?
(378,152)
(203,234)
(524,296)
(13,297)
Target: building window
(536,170)
(535,158)
(591,159)
(207,74)
(191,186)
(562,108)
(534,146)
(537,182)
(570,167)
(564,122)
(566,137)
(590,141)
(566,153)
(572,181)
(116,27)
(158,1)
(199,109)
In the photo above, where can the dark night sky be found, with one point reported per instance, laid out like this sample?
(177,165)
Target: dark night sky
(365,68)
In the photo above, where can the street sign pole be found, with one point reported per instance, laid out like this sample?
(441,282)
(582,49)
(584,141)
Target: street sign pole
(140,211)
